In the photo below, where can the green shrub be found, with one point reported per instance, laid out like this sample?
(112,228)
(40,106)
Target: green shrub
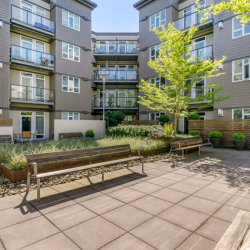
(215,134)
(195,133)
(164,119)
(136,131)
(115,117)
(239,136)
(90,134)
(169,129)
(193,117)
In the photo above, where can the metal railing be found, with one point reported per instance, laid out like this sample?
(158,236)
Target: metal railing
(191,19)
(31,56)
(32,19)
(196,91)
(116,75)
(115,48)
(116,102)
(202,53)
(31,94)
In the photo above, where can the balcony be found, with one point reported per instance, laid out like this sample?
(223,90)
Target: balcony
(203,53)
(31,95)
(116,103)
(116,52)
(31,23)
(23,58)
(117,77)
(184,23)
(196,91)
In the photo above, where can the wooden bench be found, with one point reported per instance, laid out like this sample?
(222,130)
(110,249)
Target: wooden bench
(58,163)
(187,143)
(237,236)
(70,135)
(5,139)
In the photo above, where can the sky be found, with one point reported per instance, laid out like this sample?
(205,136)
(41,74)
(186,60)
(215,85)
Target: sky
(115,16)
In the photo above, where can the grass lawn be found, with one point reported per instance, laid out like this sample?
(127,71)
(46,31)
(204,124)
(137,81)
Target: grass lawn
(13,155)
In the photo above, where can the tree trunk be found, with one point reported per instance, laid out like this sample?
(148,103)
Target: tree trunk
(175,123)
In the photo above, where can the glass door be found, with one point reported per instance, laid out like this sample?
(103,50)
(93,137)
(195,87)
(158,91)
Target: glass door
(121,100)
(122,73)
(26,15)
(110,98)
(39,91)
(199,48)
(26,53)
(39,55)
(131,102)
(26,123)
(122,47)
(131,73)
(40,124)
(26,82)
(187,17)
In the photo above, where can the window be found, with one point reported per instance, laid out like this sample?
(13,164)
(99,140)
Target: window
(158,20)
(70,116)
(239,29)
(70,20)
(241,113)
(155,116)
(71,52)
(241,70)
(71,84)
(158,81)
(154,52)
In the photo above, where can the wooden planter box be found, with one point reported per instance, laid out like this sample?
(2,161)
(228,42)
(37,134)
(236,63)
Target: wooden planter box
(13,176)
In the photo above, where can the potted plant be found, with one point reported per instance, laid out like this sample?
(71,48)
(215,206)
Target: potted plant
(90,134)
(239,141)
(163,119)
(215,138)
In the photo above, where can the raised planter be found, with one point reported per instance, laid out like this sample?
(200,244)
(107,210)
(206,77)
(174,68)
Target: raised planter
(152,151)
(13,176)
(216,142)
(240,144)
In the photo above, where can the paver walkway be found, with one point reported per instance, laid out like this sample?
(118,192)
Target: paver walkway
(181,206)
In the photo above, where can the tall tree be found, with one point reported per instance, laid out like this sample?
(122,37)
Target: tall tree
(241,8)
(177,63)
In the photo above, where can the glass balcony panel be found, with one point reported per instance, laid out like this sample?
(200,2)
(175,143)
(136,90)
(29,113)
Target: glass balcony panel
(116,48)
(131,48)
(116,102)
(31,94)
(116,75)
(32,19)
(32,56)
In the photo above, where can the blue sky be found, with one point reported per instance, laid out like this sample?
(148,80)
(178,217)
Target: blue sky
(115,16)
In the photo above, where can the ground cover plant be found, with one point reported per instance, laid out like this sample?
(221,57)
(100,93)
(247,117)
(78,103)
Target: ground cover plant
(13,155)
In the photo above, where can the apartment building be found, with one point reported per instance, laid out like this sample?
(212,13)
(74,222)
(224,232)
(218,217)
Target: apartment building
(51,63)
(45,55)
(219,36)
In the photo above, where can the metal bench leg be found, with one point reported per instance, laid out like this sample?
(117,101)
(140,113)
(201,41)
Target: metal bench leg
(199,151)
(183,153)
(28,182)
(102,174)
(38,189)
(142,166)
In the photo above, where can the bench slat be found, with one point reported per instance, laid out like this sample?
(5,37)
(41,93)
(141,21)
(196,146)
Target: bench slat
(233,237)
(33,157)
(87,167)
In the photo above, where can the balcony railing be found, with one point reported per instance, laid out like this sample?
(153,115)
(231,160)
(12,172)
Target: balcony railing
(116,102)
(203,53)
(116,75)
(120,49)
(191,19)
(32,19)
(29,56)
(22,93)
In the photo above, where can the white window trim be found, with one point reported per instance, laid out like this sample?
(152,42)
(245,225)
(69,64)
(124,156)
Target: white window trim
(155,117)
(243,71)
(242,28)
(243,114)
(73,52)
(68,84)
(73,20)
(159,21)
(150,57)
(160,86)
(71,116)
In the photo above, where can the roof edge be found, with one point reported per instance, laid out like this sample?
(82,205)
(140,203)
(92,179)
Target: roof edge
(141,3)
(115,33)
(88,3)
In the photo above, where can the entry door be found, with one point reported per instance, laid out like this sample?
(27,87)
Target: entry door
(26,123)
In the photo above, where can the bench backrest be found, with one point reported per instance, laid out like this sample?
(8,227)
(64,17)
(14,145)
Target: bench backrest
(70,135)
(68,159)
(185,142)
(5,138)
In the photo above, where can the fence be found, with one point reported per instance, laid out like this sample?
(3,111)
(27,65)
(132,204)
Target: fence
(5,122)
(227,127)
(141,122)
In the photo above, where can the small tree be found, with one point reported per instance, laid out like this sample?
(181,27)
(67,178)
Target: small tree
(176,64)
(115,117)
(241,8)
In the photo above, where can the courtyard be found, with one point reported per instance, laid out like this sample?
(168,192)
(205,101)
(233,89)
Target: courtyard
(176,205)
